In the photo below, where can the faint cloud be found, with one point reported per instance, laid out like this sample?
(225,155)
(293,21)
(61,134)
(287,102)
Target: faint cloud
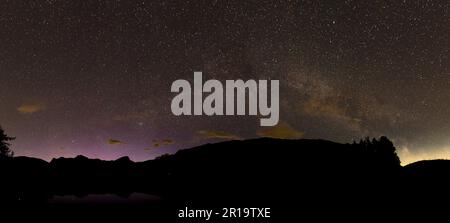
(30,108)
(281,131)
(168,141)
(208,134)
(115,142)
(164,142)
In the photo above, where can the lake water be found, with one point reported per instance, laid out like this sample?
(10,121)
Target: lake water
(135,198)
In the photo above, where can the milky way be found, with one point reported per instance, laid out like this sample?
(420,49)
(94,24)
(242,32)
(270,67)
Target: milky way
(93,77)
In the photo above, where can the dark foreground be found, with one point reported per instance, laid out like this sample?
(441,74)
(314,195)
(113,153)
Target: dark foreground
(296,179)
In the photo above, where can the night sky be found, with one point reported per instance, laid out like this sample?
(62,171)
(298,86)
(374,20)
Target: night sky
(93,77)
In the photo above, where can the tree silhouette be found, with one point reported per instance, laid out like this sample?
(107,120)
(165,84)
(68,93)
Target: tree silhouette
(378,151)
(386,151)
(5,151)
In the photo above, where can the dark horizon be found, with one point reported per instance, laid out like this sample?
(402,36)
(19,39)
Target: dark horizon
(219,142)
(263,172)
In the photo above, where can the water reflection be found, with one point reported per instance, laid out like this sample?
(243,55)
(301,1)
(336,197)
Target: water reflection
(134,198)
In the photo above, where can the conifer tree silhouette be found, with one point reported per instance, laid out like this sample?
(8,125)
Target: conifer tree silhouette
(5,151)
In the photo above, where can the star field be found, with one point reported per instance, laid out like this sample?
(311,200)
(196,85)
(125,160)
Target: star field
(93,77)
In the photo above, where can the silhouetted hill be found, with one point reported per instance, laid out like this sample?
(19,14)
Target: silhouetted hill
(428,173)
(250,169)
(429,167)
(314,174)
(269,167)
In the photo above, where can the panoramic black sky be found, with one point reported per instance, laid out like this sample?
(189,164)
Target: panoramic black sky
(93,77)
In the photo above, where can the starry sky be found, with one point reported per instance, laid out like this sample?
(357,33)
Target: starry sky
(93,77)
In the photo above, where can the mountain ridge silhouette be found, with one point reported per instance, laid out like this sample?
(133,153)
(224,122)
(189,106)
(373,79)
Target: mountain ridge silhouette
(315,174)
